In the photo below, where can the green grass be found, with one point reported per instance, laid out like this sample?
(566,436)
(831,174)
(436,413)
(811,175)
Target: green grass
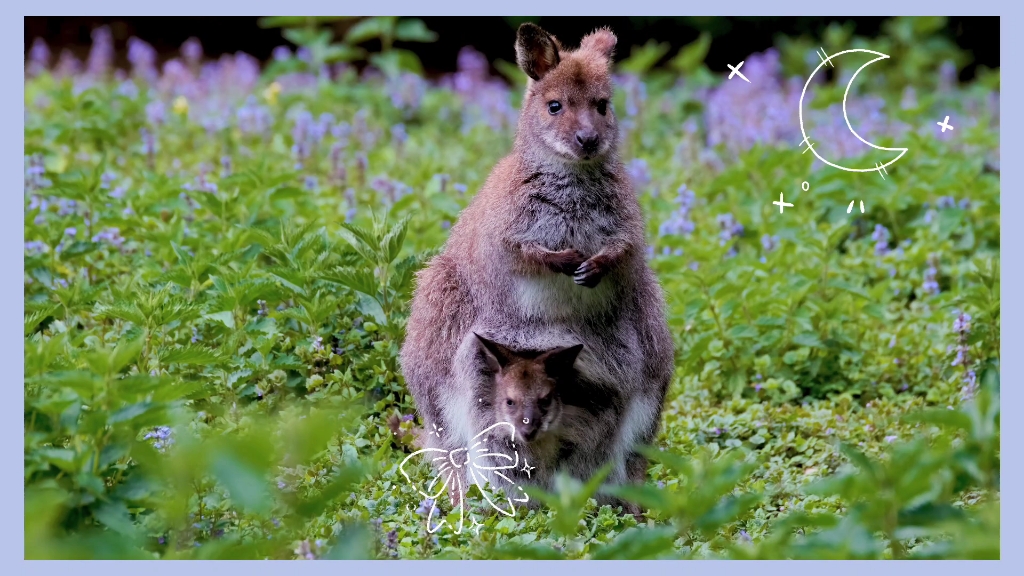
(264,331)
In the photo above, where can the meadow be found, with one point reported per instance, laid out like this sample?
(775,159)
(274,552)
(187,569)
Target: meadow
(219,256)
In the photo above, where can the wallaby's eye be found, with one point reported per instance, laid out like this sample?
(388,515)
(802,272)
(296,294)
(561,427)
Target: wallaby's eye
(602,107)
(544,402)
(510,402)
(554,107)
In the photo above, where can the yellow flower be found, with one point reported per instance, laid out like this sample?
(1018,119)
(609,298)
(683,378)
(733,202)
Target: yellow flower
(181,105)
(271,92)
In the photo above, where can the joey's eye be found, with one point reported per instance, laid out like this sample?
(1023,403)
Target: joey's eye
(554,107)
(602,107)
(509,402)
(544,402)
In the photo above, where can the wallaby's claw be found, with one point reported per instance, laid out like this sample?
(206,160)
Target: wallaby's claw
(589,274)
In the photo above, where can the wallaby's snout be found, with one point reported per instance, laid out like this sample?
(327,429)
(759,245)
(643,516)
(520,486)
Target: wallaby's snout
(588,140)
(567,108)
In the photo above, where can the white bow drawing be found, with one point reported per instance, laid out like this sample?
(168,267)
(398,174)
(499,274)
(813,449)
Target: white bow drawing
(478,456)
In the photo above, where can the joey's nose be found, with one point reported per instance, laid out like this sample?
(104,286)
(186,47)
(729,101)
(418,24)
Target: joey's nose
(528,428)
(587,140)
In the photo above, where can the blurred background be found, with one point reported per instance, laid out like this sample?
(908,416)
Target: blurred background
(734,38)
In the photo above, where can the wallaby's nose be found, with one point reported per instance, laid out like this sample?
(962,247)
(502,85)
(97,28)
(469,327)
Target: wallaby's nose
(528,426)
(587,140)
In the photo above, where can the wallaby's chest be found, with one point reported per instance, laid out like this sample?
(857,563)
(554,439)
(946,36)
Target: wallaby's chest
(580,218)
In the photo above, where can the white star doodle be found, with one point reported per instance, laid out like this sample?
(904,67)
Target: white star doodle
(476,526)
(527,468)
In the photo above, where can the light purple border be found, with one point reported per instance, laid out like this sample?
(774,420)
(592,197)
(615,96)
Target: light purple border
(12,233)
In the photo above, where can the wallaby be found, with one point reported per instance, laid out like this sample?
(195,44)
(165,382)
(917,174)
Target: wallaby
(552,243)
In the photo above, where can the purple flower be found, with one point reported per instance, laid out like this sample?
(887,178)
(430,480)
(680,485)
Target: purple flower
(262,307)
(890,439)
(678,222)
(391,543)
(881,238)
(931,284)
(253,118)
(148,144)
(962,324)
(281,53)
(101,55)
(398,134)
(162,437)
(67,65)
(947,76)
(424,507)
(142,57)
(406,92)
(111,236)
(225,166)
(195,335)
(638,173)
(945,202)
(769,243)
(729,229)
(460,188)
(310,183)
(636,93)
(318,343)
(38,57)
(192,51)
(35,247)
(446,225)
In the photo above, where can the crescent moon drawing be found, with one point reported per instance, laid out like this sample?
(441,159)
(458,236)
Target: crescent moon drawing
(878,167)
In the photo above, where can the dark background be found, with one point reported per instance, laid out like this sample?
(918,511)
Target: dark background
(733,38)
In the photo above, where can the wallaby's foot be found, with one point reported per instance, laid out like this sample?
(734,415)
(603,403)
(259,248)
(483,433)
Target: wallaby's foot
(565,261)
(636,511)
(590,273)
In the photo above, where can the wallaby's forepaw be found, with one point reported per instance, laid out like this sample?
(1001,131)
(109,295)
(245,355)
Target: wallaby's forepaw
(589,273)
(565,261)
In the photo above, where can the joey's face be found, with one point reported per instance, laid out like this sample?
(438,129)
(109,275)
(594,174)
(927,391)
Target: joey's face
(526,398)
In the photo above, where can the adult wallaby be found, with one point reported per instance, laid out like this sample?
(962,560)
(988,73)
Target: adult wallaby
(553,243)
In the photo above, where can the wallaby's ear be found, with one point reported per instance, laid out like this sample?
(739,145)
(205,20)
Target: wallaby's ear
(536,50)
(601,41)
(496,355)
(560,360)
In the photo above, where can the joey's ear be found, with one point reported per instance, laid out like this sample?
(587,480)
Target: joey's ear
(496,355)
(601,41)
(560,360)
(536,50)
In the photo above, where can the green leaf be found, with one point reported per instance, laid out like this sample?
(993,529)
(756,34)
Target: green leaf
(809,339)
(414,30)
(78,248)
(190,354)
(373,27)
(126,353)
(692,55)
(395,238)
(114,515)
(639,544)
(225,317)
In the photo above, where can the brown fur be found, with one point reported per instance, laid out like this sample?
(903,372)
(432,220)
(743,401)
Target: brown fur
(551,250)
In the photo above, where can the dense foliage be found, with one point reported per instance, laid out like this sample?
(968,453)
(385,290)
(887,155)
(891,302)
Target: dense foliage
(218,263)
